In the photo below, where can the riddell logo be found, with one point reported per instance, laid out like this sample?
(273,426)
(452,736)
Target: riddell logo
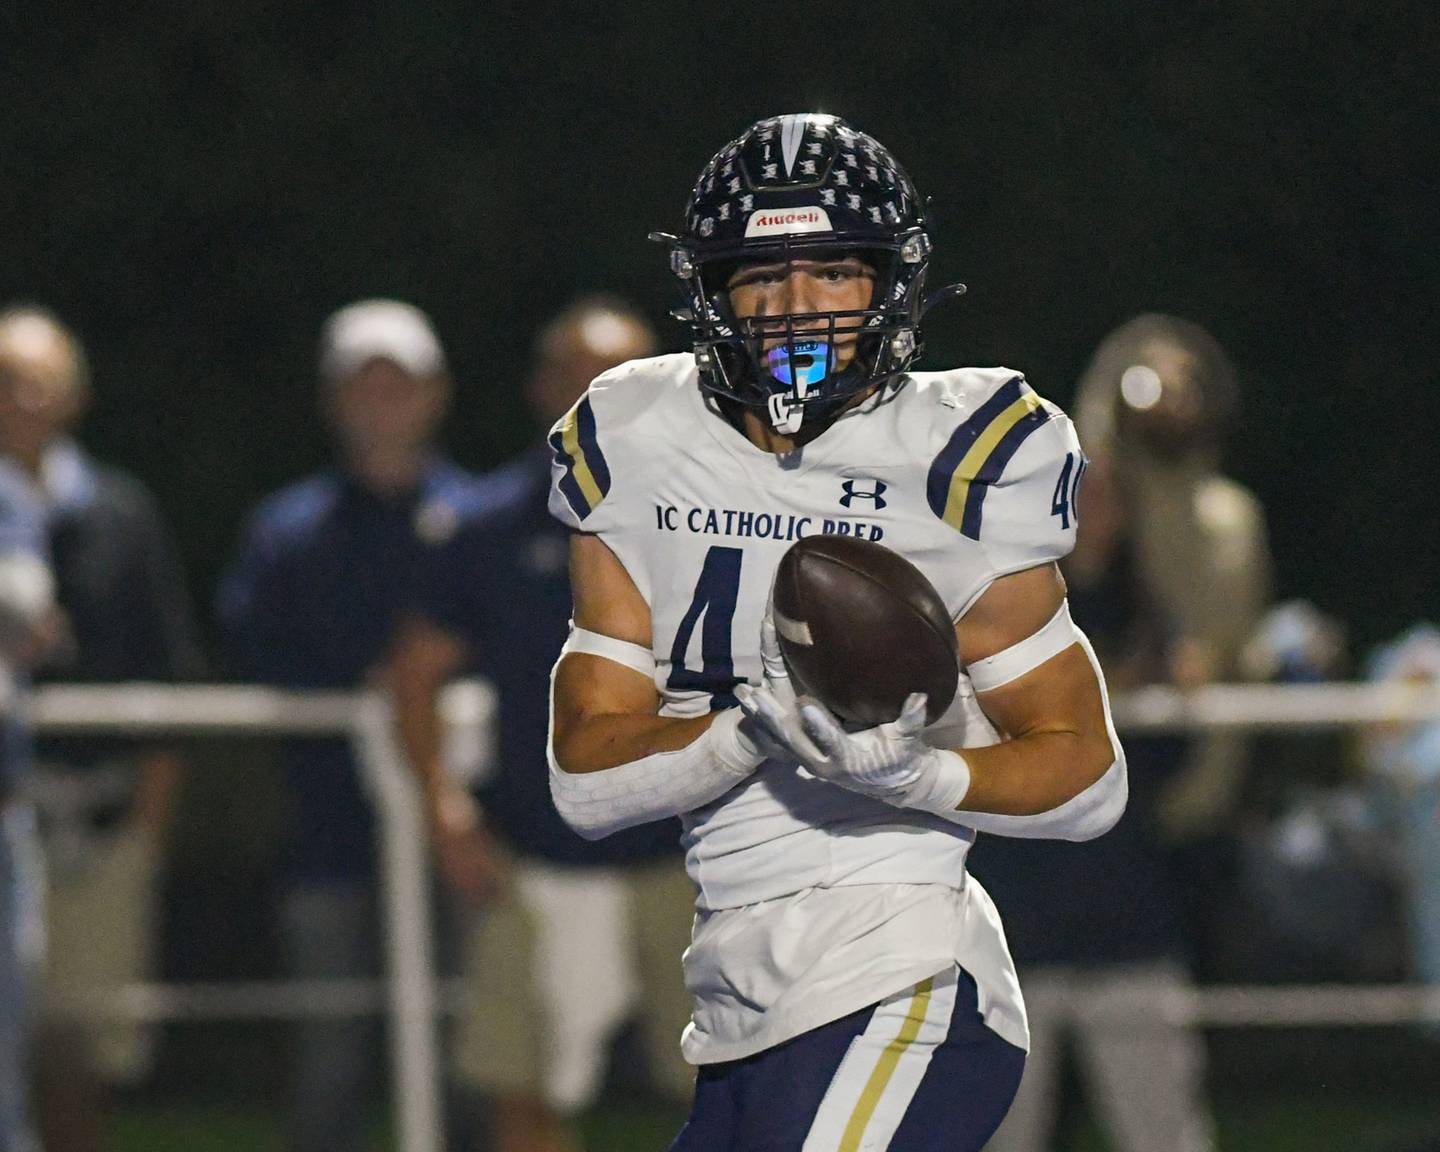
(783,221)
(808,216)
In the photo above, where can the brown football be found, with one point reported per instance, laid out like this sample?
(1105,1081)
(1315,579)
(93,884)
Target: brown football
(861,628)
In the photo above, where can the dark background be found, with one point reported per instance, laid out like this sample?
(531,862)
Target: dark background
(195,186)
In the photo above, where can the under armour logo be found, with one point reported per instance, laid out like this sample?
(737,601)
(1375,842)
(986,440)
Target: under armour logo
(851,494)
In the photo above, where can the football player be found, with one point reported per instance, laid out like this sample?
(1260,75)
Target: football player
(851,985)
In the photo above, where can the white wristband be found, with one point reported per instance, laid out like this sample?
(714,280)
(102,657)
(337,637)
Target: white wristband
(940,786)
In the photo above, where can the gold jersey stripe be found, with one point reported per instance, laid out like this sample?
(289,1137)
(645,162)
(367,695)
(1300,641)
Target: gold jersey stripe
(974,459)
(570,441)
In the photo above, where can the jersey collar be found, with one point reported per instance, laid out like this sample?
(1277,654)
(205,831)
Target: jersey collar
(835,438)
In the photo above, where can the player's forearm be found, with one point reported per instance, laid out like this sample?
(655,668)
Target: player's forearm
(1034,773)
(1046,786)
(614,761)
(605,713)
(1061,775)
(595,743)
(617,771)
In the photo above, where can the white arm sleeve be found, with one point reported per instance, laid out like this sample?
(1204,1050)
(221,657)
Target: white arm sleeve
(1090,814)
(598,804)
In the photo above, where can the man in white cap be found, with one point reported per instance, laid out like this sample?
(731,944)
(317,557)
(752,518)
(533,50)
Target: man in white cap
(577,938)
(322,577)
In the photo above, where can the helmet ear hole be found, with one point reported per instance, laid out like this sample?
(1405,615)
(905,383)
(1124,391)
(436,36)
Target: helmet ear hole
(715,275)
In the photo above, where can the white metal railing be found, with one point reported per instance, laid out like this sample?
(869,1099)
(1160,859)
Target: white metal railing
(410,990)
(1259,707)
(1217,1006)
(148,710)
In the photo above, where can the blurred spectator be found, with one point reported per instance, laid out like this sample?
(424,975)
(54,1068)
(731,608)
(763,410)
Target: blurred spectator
(1095,927)
(1294,643)
(1404,760)
(324,574)
(103,807)
(1155,404)
(21,943)
(26,601)
(1315,872)
(582,934)
(1156,401)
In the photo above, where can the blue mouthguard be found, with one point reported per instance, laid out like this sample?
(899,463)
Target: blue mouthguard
(809,365)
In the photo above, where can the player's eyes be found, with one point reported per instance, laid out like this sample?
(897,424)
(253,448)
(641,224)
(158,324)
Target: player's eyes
(764,277)
(840,273)
(769,277)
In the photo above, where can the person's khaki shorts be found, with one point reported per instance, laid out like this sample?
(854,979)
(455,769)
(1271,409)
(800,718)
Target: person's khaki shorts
(100,922)
(555,966)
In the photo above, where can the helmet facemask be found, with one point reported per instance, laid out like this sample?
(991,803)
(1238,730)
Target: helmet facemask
(789,366)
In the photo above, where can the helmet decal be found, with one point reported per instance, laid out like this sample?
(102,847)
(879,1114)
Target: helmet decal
(792,133)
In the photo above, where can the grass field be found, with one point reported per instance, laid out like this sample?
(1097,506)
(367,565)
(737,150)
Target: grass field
(1272,1126)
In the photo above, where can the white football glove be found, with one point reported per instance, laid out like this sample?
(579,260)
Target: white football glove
(776,685)
(889,762)
(777,675)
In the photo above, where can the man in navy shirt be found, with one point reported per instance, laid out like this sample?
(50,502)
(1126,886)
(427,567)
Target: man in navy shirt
(581,933)
(324,574)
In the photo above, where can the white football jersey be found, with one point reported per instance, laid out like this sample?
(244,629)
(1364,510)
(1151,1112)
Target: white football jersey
(967,473)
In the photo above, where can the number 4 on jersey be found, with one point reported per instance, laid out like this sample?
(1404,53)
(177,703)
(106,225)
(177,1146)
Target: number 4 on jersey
(715,597)
(1067,489)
